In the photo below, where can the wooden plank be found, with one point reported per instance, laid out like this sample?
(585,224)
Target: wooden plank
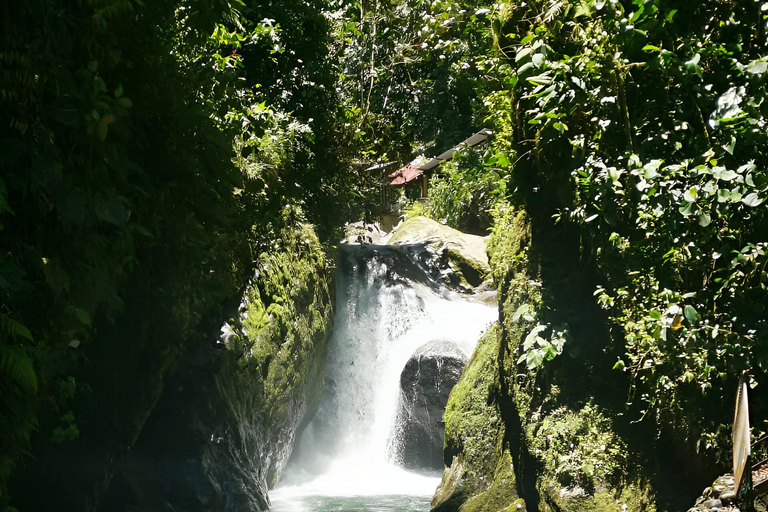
(742,446)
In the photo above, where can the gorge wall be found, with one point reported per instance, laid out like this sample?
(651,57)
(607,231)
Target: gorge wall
(537,421)
(212,424)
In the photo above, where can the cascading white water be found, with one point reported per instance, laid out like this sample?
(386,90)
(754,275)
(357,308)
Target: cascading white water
(380,321)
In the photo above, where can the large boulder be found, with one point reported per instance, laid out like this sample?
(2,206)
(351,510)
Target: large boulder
(455,259)
(425,383)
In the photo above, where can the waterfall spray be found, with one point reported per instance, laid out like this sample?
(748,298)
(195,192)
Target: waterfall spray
(382,318)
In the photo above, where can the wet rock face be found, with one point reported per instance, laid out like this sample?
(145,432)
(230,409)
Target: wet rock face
(425,383)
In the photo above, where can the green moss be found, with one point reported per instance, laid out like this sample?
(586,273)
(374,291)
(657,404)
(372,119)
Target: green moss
(281,357)
(578,448)
(508,244)
(471,421)
(569,457)
(585,464)
(502,492)
(470,271)
(481,477)
(636,498)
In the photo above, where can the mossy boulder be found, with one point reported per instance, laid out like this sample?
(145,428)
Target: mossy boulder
(583,463)
(456,259)
(480,475)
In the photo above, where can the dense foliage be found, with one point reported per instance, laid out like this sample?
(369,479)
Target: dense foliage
(466,191)
(641,127)
(150,152)
(638,126)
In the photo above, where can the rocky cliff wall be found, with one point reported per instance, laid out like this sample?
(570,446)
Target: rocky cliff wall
(529,425)
(224,430)
(201,424)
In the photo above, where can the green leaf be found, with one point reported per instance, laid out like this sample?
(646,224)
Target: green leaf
(125,102)
(83,316)
(757,67)
(752,200)
(524,312)
(533,337)
(535,359)
(525,69)
(721,173)
(686,209)
(704,220)
(671,15)
(542,79)
(503,160)
(693,65)
(14,328)
(111,210)
(523,53)
(16,366)
(691,315)
(101,130)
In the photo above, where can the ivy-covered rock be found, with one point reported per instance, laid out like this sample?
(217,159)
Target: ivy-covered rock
(514,441)
(480,474)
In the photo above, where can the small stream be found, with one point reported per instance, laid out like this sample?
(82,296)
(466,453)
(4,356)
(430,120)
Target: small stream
(345,460)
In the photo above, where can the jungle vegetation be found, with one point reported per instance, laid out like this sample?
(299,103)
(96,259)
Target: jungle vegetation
(150,150)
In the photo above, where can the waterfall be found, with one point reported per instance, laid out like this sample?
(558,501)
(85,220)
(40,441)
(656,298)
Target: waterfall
(386,309)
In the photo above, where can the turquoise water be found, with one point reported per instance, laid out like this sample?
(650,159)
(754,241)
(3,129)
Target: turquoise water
(353,504)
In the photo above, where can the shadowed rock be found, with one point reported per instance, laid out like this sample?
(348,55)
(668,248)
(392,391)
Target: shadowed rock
(425,383)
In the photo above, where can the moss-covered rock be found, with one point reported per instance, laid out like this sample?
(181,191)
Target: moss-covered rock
(480,476)
(583,463)
(286,327)
(225,424)
(457,259)
(514,441)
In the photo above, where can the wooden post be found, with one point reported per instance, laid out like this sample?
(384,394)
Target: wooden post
(742,445)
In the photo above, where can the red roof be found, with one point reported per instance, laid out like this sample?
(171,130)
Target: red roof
(405,175)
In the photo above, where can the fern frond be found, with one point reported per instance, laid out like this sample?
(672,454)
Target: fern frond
(16,366)
(555,6)
(14,328)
